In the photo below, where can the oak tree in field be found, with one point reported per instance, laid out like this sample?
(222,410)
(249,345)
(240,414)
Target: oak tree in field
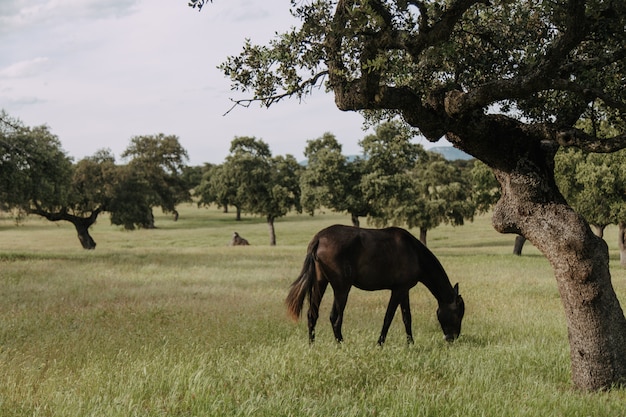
(443,195)
(331,180)
(406,185)
(158,161)
(265,185)
(218,186)
(505,82)
(388,183)
(37,177)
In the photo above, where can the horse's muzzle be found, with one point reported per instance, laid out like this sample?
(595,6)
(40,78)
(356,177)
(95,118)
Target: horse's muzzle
(450,337)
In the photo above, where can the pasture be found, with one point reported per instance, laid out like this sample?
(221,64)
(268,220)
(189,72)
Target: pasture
(173,322)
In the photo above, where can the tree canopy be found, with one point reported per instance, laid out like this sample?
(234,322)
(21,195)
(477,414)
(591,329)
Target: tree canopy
(406,185)
(158,163)
(331,180)
(255,181)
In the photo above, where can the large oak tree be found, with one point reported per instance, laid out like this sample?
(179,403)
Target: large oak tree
(505,81)
(37,177)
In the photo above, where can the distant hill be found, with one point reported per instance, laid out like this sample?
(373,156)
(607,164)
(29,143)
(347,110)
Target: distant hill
(451,153)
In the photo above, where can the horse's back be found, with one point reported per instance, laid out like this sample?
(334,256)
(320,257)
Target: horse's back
(370,259)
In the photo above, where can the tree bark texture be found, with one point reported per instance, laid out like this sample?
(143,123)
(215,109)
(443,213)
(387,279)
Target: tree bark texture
(595,320)
(532,206)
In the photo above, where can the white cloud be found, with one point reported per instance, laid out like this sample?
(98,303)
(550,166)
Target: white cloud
(20,14)
(24,69)
(101,71)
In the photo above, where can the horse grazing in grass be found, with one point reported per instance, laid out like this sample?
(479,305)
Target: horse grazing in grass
(372,259)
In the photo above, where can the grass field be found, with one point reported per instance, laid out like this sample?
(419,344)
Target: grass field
(173,322)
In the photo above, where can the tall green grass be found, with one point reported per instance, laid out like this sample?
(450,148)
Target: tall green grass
(173,322)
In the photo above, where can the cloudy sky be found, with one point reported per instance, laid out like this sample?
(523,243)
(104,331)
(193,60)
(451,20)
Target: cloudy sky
(99,72)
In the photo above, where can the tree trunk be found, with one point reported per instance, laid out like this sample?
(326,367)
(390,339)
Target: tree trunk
(82,228)
(423,232)
(355,220)
(595,320)
(82,224)
(238,215)
(270,224)
(519,245)
(532,206)
(621,241)
(149,221)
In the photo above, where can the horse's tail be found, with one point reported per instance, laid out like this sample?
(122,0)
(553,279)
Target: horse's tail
(304,284)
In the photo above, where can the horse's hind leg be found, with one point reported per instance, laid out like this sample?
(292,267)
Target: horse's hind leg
(405,307)
(394,300)
(314,307)
(336,314)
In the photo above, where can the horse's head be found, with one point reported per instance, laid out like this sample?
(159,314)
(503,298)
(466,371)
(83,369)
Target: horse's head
(451,315)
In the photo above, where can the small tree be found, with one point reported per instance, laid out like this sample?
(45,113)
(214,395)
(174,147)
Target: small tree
(443,195)
(160,161)
(264,185)
(388,185)
(283,192)
(220,187)
(405,185)
(331,181)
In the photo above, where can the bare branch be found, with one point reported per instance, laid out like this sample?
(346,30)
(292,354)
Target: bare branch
(303,88)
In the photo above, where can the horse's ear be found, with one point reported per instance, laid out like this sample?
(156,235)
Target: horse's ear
(456,288)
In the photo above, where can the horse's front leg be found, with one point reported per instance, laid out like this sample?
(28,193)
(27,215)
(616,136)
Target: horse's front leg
(405,307)
(336,314)
(394,300)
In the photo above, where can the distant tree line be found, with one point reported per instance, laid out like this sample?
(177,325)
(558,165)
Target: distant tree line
(393,182)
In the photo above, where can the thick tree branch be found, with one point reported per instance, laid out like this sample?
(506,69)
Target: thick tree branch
(64,215)
(589,143)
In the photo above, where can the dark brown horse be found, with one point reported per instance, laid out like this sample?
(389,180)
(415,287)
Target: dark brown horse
(371,259)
